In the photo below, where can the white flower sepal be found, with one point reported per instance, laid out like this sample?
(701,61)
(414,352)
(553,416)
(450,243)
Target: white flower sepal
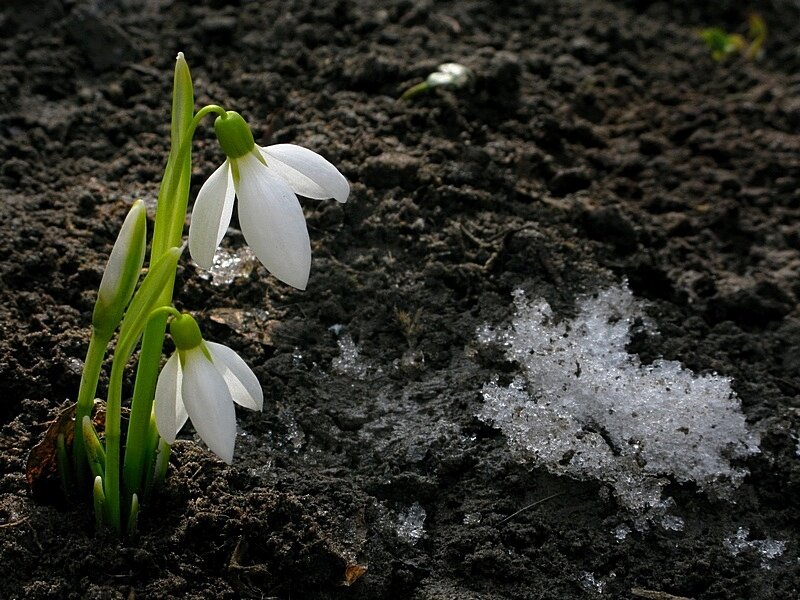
(267,181)
(201,381)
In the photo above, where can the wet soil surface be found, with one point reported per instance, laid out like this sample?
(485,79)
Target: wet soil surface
(598,143)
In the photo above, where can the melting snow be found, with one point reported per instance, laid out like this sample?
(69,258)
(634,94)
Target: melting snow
(228,265)
(349,360)
(586,408)
(767,549)
(410,523)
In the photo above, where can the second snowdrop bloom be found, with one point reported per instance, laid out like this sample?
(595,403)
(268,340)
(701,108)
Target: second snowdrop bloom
(267,181)
(201,381)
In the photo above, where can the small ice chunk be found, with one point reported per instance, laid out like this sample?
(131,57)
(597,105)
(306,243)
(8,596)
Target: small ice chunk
(410,523)
(230,264)
(768,549)
(75,366)
(621,532)
(472,518)
(590,583)
(349,360)
(672,523)
(584,407)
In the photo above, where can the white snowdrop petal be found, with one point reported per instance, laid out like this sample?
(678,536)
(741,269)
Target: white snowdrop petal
(306,172)
(227,208)
(209,404)
(168,402)
(273,223)
(242,383)
(211,215)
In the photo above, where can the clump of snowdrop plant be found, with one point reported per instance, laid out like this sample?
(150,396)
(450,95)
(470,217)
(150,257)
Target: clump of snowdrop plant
(202,380)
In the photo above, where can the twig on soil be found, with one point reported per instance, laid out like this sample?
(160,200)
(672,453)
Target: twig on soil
(654,595)
(14,523)
(505,235)
(533,505)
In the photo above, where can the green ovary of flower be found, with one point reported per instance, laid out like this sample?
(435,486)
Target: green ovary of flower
(185,332)
(234,135)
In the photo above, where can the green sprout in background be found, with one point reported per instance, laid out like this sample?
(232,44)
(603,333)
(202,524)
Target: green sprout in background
(202,380)
(449,75)
(723,44)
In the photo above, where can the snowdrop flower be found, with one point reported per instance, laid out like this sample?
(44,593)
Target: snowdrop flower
(201,381)
(450,75)
(266,181)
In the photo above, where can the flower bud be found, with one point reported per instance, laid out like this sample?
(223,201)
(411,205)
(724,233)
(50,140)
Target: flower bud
(122,271)
(182,100)
(234,135)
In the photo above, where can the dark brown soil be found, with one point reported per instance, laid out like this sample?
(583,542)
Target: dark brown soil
(599,142)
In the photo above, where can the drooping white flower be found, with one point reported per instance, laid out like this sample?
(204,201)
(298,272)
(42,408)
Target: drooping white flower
(201,381)
(266,181)
(450,74)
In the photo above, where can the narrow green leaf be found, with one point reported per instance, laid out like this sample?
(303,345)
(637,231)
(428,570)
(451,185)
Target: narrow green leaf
(95,453)
(99,498)
(182,101)
(145,300)
(62,463)
(133,516)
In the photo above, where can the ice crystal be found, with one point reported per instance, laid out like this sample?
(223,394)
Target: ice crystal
(672,523)
(230,264)
(410,523)
(768,549)
(621,532)
(349,360)
(472,518)
(591,583)
(585,407)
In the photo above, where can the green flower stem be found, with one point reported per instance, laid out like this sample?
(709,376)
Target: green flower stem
(153,457)
(114,419)
(162,462)
(415,89)
(136,446)
(86,395)
(113,431)
(62,464)
(170,217)
(176,184)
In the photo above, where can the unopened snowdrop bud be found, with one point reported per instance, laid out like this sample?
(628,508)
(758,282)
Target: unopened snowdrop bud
(182,100)
(234,135)
(201,381)
(122,271)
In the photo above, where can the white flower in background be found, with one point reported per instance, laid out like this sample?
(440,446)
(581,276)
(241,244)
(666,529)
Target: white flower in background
(267,181)
(201,381)
(450,74)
